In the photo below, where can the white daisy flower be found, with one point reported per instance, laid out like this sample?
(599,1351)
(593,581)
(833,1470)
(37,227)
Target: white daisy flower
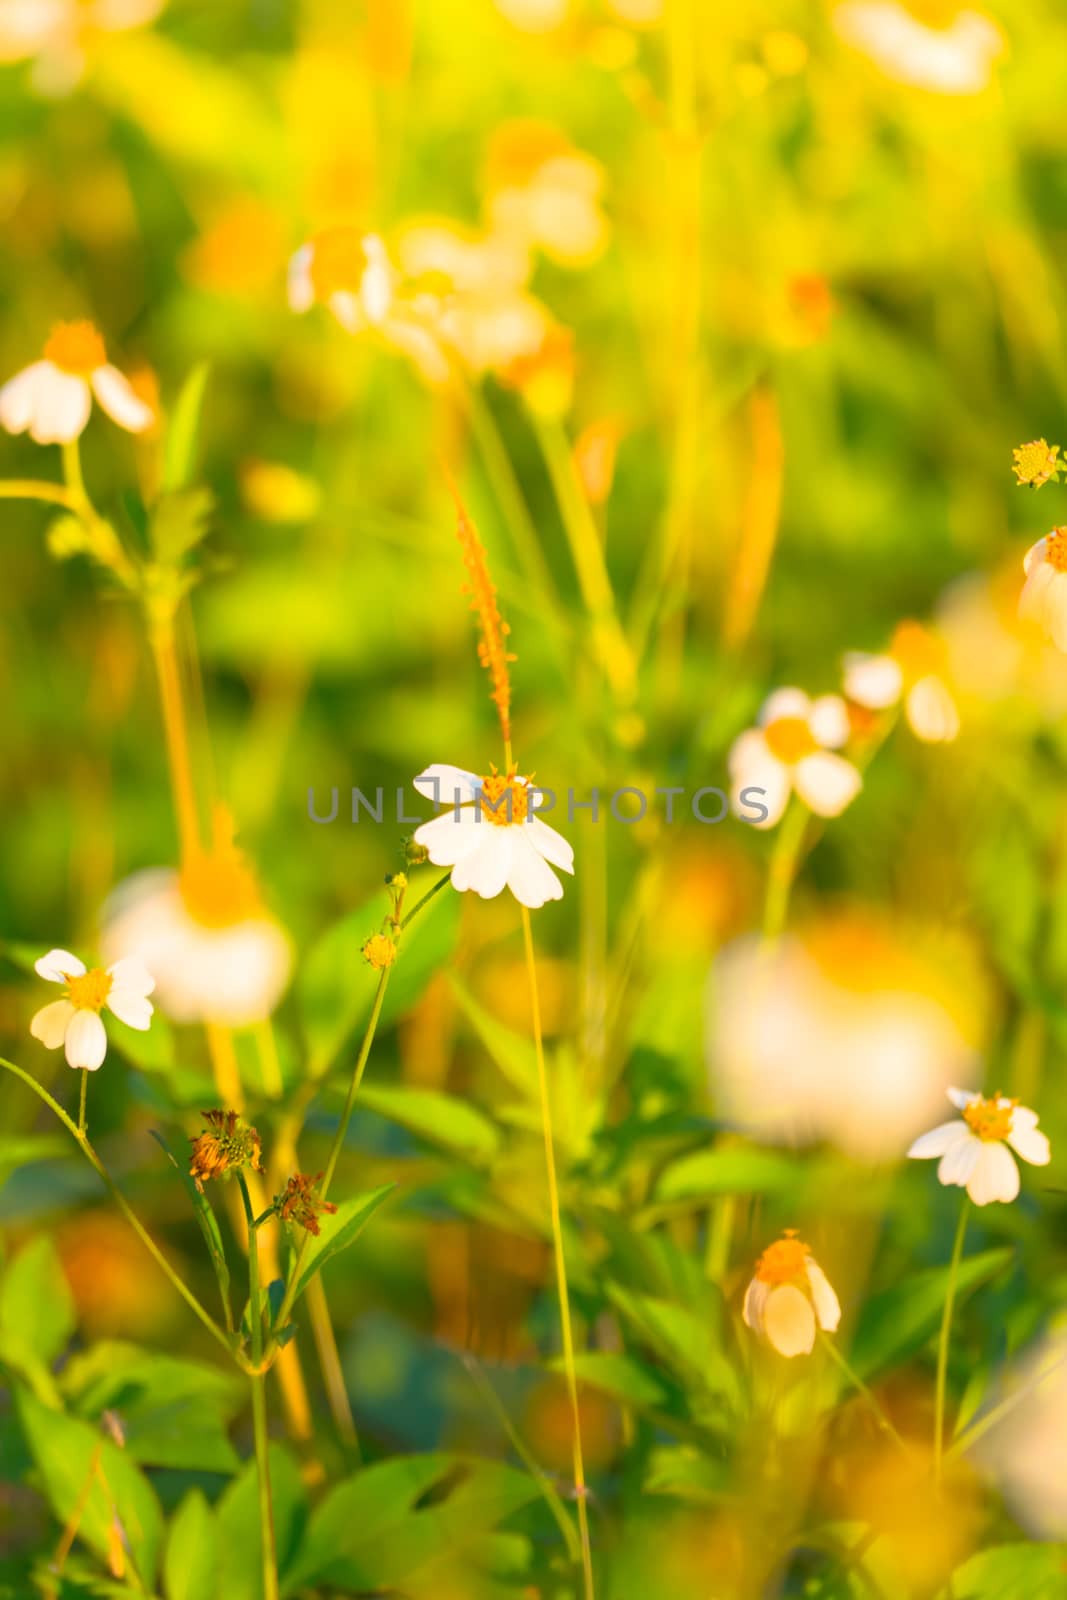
(347,271)
(955,59)
(974,1148)
(792,750)
(74,1021)
(53,397)
(491,836)
(913,669)
(1044,596)
(789,1297)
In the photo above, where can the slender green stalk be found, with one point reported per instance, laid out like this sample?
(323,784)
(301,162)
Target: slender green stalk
(81,1138)
(427,897)
(561,1262)
(507,491)
(259,1405)
(861,1388)
(31,489)
(782,872)
(81,1101)
(1002,1409)
(943,1338)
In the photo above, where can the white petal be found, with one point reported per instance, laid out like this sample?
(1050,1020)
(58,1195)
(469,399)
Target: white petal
(789,1320)
(827,1305)
(59,965)
(1036,552)
(827,783)
(1056,610)
(752,1310)
(931,711)
(962,1098)
(130,1007)
(51,1022)
(938,1140)
(376,288)
(530,878)
(1030,1143)
(62,407)
(300,289)
(872,681)
(86,1040)
(550,844)
(785,703)
(959,1161)
(448,786)
(752,766)
(485,869)
(994,1176)
(347,309)
(18,397)
(449,838)
(118,399)
(829,721)
(1034,598)
(131,974)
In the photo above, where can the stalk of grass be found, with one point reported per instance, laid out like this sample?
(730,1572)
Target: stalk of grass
(258,1382)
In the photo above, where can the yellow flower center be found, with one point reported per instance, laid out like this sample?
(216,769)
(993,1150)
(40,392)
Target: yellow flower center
(988,1120)
(504,799)
(1056,549)
(783,1261)
(88,992)
(75,347)
(338,262)
(219,888)
(916,651)
(790,739)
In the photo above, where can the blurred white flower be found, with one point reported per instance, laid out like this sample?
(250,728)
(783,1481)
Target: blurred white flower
(792,751)
(1026,1452)
(216,952)
(545,193)
(846,1034)
(346,270)
(491,837)
(56,31)
(53,397)
(956,59)
(974,1147)
(534,16)
(789,1297)
(913,668)
(74,1021)
(1044,596)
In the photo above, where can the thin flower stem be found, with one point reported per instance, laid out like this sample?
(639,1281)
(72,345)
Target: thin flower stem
(861,1388)
(427,897)
(31,489)
(561,1262)
(123,1204)
(506,490)
(330,1365)
(81,1101)
(259,1405)
(164,654)
(1004,1407)
(942,1343)
(782,872)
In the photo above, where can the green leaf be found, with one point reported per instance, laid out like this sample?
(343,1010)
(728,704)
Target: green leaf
(336,986)
(180,521)
(37,1314)
(22,1150)
(898,1321)
(237,1518)
(728,1170)
(512,1052)
(340,1231)
(151,1049)
(1008,1571)
(440,1119)
(190,1562)
(80,1467)
(683,1338)
(618,1375)
(179,455)
(206,1218)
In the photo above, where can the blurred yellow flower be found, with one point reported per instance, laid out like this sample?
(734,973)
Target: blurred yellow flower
(790,1297)
(346,270)
(53,397)
(913,668)
(543,191)
(75,1021)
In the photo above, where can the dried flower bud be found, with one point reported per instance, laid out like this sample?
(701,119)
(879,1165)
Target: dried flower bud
(1036,463)
(298,1202)
(379,951)
(227,1144)
(416,855)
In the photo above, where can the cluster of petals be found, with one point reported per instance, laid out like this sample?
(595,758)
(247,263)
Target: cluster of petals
(793,749)
(75,1022)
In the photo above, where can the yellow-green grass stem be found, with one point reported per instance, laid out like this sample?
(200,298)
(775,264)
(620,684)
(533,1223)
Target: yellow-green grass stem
(258,1382)
(943,1340)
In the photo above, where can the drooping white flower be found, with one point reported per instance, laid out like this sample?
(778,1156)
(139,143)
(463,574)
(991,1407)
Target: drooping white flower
(792,750)
(912,669)
(491,836)
(973,1149)
(349,272)
(956,59)
(790,1297)
(53,397)
(1044,596)
(74,1021)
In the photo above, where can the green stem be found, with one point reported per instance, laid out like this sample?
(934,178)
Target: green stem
(998,1412)
(861,1388)
(81,1101)
(427,897)
(123,1204)
(506,491)
(31,489)
(943,1338)
(782,872)
(259,1404)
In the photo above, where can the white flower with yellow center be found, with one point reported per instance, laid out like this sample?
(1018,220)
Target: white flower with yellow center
(491,836)
(790,1297)
(53,397)
(974,1147)
(74,1021)
(955,57)
(347,271)
(792,750)
(544,192)
(1044,596)
(913,669)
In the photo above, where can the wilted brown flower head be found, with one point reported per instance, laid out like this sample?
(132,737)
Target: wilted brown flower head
(227,1144)
(299,1203)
